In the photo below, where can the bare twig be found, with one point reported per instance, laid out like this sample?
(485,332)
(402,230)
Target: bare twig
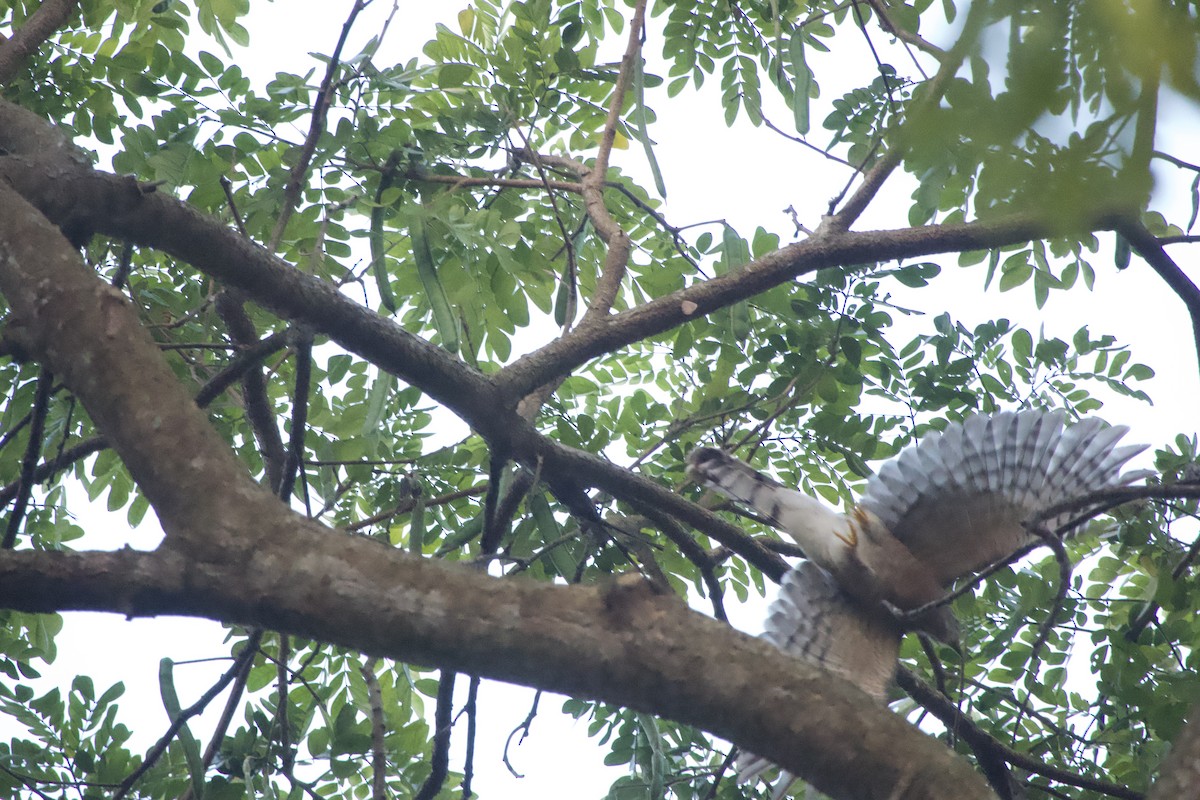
(1151,250)
(1047,626)
(505,183)
(616,260)
(324,99)
(692,552)
(27,781)
(230,306)
(282,693)
(524,729)
(299,427)
(406,505)
(121,274)
(246,660)
(888,23)
(568,240)
(720,773)
(443,719)
(471,710)
(1138,623)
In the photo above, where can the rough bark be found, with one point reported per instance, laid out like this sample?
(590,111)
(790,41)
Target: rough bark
(234,553)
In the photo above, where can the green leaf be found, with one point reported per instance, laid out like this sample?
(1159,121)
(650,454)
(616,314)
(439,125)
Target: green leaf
(639,85)
(656,778)
(379,268)
(1122,253)
(443,318)
(1022,343)
(564,298)
(191,747)
(1015,275)
(993,262)
(736,253)
(377,401)
(802,89)
(1139,372)
(452,76)
(560,555)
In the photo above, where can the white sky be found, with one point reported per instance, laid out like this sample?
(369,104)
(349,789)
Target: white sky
(745,175)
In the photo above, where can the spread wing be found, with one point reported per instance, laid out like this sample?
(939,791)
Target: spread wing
(813,620)
(957,498)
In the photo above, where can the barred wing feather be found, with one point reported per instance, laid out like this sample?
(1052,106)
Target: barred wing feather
(958,499)
(813,620)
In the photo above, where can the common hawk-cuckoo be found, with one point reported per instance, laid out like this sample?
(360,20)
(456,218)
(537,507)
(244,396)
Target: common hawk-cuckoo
(942,509)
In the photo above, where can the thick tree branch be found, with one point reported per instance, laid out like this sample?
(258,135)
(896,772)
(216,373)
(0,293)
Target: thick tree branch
(989,749)
(464,390)
(833,249)
(620,643)
(115,206)
(235,553)
(133,397)
(1179,777)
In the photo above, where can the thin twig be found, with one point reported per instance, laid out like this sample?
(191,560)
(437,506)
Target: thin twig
(251,649)
(720,773)
(1047,626)
(694,553)
(439,762)
(282,692)
(1138,623)
(231,308)
(29,462)
(471,710)
(27,781)
(316,126)
(240,667)
(875,177)
(299,427)
(524,728)
(406,505)
(888,23)
(124,265)
(981,741)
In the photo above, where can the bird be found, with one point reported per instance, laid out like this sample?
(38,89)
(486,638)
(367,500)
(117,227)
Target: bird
(945,507)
